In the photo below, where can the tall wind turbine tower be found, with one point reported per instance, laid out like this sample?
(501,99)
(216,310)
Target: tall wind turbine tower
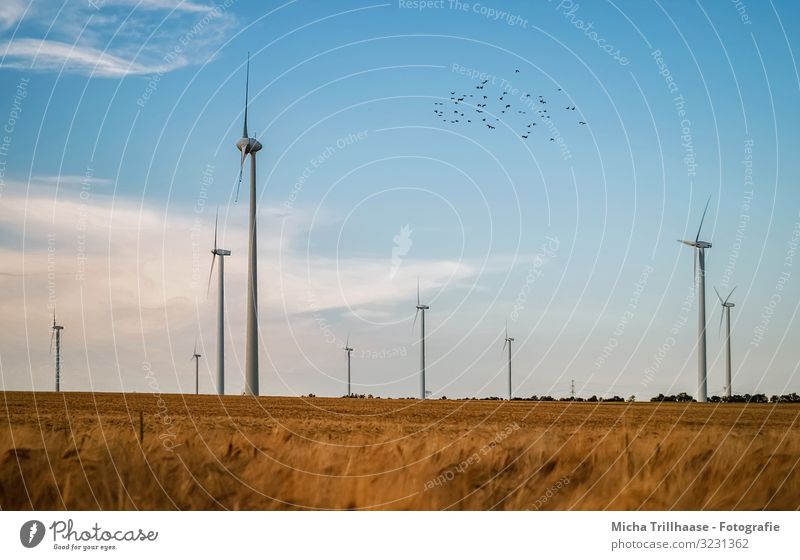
(221,253)
(700,278)
(423,308)
(726,316)
(196,357)
(247,145)
(508,342)
(348,350)
(57,335)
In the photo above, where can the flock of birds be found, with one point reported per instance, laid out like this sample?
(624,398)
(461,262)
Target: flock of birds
(487,108)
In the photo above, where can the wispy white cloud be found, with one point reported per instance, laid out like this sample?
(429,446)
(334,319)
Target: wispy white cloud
(122,273)
(116,38)
(10,12)
(69,180)
(178,5)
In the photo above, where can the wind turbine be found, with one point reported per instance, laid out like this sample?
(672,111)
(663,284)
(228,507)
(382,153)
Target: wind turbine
(701,246)
(247,145)
(726,316)
(57,335)
(348,350)
(196,357)
(222,253)
(421,307)
(508,341)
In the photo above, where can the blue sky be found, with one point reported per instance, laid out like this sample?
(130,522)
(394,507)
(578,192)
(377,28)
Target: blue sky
(122,148)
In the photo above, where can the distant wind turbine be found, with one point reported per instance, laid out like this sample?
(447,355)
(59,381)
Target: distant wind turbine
(57,335)
(222,253)
(508,341)
(247,145)
(423,308)
(700,277)
(726,316)
(348,350)
(196,357)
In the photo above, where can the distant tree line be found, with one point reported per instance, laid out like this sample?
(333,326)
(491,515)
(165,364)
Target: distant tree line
(746,398)
(680,398)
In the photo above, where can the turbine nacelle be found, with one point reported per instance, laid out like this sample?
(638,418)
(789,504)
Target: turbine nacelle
(249,145)
(696,244)
(221,252)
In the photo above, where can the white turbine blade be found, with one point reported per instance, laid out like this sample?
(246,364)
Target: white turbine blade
(730,294)
(241,169)
(504,344)
(52,335)
(719,297)
(414,324)
(216,223)
(246,95)
(211,272)
(347,343)
(702,219)
(721,318)
(417,290)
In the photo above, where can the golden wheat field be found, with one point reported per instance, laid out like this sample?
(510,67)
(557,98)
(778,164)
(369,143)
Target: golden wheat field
(83,451)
